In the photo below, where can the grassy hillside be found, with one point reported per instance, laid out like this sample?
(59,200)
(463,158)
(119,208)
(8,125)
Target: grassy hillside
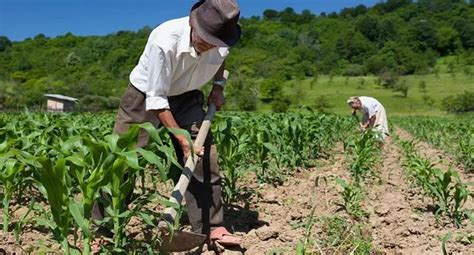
(341,88)
(402,37)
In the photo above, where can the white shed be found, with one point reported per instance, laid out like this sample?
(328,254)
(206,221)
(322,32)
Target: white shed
(60,103)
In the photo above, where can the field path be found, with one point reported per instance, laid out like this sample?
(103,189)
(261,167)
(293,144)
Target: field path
(401,219)
(440,158)
(284,210)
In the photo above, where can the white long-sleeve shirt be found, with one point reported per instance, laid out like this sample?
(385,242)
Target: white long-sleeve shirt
(370,105)
(170,65)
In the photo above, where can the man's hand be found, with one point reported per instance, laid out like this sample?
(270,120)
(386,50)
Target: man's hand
(166,118)
(216,97)
(185,146)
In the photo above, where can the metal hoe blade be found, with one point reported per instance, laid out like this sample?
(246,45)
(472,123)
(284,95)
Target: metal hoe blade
(181,241)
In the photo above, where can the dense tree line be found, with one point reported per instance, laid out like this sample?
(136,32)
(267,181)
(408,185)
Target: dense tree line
(400,36)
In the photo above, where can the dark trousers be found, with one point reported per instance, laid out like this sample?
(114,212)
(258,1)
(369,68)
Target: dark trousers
(204,195)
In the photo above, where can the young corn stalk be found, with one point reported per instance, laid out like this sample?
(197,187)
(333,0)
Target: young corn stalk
(263,150)
(124,165)
(365,155)
(232,150)
(451,195)
(352,196)
(51,179)
(93,165)
(15,168)
(445,188)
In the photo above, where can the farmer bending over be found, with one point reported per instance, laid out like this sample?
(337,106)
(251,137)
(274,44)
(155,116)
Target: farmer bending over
(180,57)
(374,115)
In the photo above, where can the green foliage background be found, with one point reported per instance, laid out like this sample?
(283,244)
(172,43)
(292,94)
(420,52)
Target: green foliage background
(397,36)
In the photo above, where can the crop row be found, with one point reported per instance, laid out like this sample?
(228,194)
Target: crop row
(445,188)
(454,135)
(69,159)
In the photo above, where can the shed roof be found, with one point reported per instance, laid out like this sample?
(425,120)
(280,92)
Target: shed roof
(61,97)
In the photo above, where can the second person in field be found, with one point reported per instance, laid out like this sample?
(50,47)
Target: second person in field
(374,115)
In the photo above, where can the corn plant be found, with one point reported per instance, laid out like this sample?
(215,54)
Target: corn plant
(445,188)
(232,151)
(70,158)
(451,195)
(15,169)
(69,165)
(351,196)
(51,180)
(454,135)
(365,155)
(265,171)
(115,163)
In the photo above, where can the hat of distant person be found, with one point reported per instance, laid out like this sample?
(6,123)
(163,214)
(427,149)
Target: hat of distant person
(352,100)
(216,22)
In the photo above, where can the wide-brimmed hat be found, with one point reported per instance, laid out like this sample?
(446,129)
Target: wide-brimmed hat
(216,21)
(352,100)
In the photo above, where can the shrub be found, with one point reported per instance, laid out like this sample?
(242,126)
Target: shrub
(98,103)
(388,79)
(459,103)
(281,104)
(355,70)
(402,87)
(270,89)
(322,104)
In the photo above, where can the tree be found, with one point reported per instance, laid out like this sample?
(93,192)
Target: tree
(270,14)
(402,87)
(117,60)
(460,103)
(73,59)
(322,104)
(241,93)
(9,94)
(314,81)
(5,43)
(355,70)
(392,5)
(352,46)
(389,79)
(281,104)
(23,64)
(93,103)
(288,15)
(354,12)
(270,89)
(424,34)
(388,29)
(305,17)
(447,40)
(422,87)
(369,27)
(465,28)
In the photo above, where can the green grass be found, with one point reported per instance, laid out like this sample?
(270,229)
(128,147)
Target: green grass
(341,88)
